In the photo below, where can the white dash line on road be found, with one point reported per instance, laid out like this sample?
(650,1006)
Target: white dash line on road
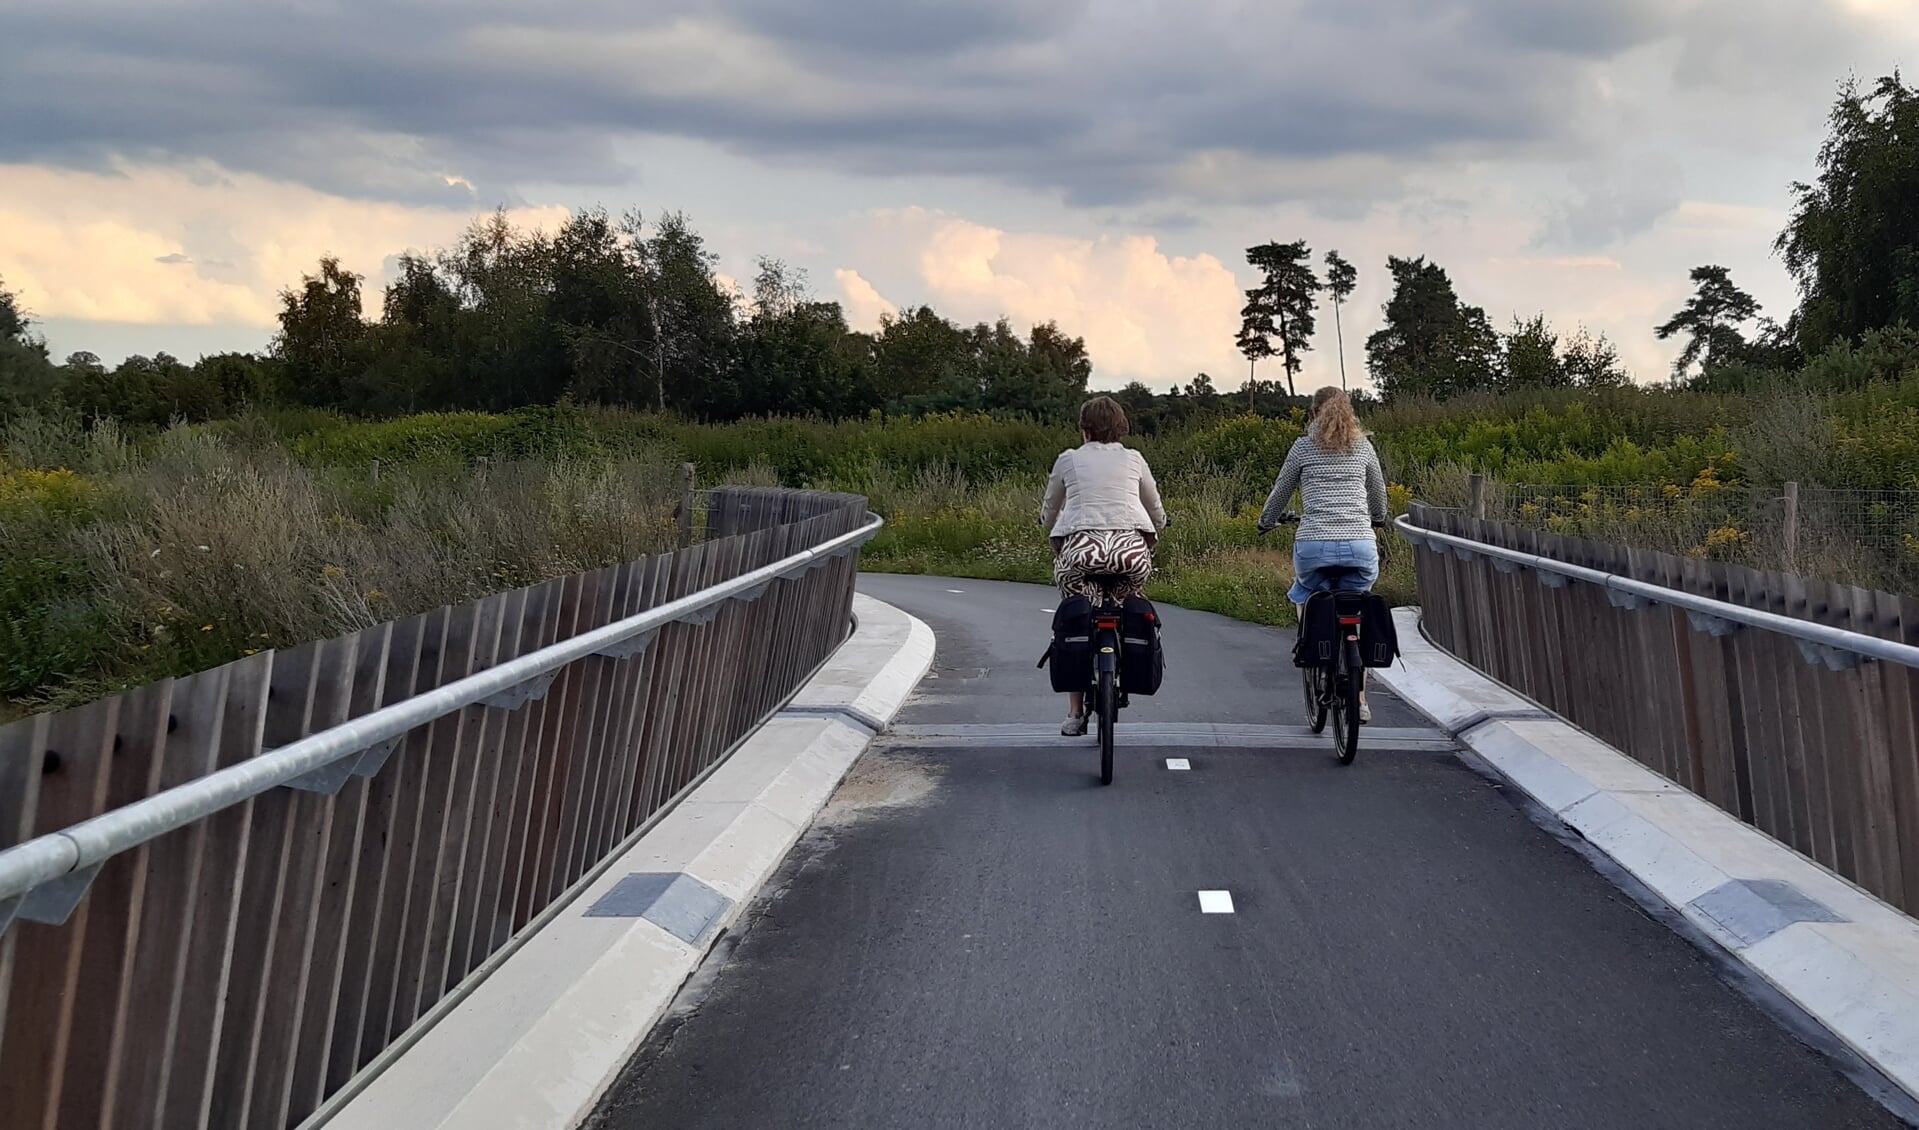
(1178,763)
(960,591)
(1215,902)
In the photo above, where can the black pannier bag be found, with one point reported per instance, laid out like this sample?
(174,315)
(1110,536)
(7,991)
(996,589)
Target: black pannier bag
(1071,656)
(1142,660)
(1320,632)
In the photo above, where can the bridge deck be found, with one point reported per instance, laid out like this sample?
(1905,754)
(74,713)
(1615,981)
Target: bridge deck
(977,934)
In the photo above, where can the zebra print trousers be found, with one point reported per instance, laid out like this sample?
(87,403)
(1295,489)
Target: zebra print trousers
(1120,558)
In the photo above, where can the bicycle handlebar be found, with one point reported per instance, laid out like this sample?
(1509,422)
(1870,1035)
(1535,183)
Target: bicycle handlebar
(1287,518)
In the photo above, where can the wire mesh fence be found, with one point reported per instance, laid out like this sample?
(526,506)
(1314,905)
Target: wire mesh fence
(1868,538)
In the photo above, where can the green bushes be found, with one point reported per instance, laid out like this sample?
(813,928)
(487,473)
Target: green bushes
(55,623)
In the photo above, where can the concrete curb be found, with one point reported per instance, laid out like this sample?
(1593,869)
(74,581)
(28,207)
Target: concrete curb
(1849,960)
(535,1045)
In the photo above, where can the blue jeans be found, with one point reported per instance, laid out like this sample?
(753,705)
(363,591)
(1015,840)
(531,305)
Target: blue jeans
(1359,558)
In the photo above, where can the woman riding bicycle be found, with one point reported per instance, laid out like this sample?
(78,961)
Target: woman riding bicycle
(1103,512)
(1335,467)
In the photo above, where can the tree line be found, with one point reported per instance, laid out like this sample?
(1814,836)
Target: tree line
(605,311)
(1431,344)
(1851,246)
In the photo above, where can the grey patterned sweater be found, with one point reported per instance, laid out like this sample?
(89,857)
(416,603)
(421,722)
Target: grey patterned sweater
(1345,494)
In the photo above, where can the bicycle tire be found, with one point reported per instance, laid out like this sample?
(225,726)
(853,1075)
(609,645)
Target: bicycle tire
(1314,680)
(1346,706)
(1108,717)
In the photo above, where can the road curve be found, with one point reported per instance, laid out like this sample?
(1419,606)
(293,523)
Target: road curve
(976,934)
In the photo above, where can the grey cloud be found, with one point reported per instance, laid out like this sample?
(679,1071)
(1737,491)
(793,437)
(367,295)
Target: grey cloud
(1766,47)
(1574,27)
(1105,102)
(1613,203)
(174,259)
(1591,29)
(916,28)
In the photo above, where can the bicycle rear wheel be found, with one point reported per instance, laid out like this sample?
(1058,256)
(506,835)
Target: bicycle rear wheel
(1314,680)
(1346,706)
(1108,716)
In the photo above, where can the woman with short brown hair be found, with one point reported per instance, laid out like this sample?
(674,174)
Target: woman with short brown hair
(1103,512)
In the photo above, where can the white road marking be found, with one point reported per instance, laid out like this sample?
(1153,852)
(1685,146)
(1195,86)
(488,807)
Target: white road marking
(1178,763)
(962,591)
(1215,902)
(1049,610)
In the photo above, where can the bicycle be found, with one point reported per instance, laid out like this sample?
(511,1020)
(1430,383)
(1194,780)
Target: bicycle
(1107,695)
(1333,678)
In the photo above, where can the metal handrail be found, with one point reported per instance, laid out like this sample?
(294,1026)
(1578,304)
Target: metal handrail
(76,852)
(1819,635)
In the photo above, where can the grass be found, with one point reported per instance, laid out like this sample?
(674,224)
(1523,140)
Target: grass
(127,558)
(124,565)
(1212,559)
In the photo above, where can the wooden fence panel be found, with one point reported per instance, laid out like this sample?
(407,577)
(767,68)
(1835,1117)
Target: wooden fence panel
(312,825)
(240,970)
(265,964)
(393,814)
(1821,759)
(1900,615)
(505,617)
(464,772)
(376,802)
(187,1082)
(525,799)
(337,698)
(74,763)
(101,997)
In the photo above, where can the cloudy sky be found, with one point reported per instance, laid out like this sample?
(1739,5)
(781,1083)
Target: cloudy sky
(167,165)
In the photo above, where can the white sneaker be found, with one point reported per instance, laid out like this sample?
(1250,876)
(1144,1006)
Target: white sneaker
(1074,726)
(1365,713)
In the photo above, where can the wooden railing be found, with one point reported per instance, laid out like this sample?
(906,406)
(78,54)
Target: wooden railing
(240,969)
(1814,744)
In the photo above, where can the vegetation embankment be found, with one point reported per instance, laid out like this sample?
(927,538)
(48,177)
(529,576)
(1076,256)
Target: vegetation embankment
(128,558)
(125,562)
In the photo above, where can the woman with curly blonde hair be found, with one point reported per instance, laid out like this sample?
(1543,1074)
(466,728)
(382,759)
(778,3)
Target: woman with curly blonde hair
(1337,471)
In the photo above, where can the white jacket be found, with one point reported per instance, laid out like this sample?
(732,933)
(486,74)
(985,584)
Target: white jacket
(1101,486)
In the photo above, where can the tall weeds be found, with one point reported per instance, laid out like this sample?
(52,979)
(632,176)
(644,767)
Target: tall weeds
(203,549)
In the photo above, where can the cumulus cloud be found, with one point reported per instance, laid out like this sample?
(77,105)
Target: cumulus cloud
(1145,314)
(192,246)
(864,305)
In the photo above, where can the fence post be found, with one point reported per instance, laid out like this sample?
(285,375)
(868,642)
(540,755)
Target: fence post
(373,472)
(1791,527)
(1477,486)
(686,504)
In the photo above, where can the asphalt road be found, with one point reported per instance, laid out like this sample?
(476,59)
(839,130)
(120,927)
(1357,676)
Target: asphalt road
(977,934)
